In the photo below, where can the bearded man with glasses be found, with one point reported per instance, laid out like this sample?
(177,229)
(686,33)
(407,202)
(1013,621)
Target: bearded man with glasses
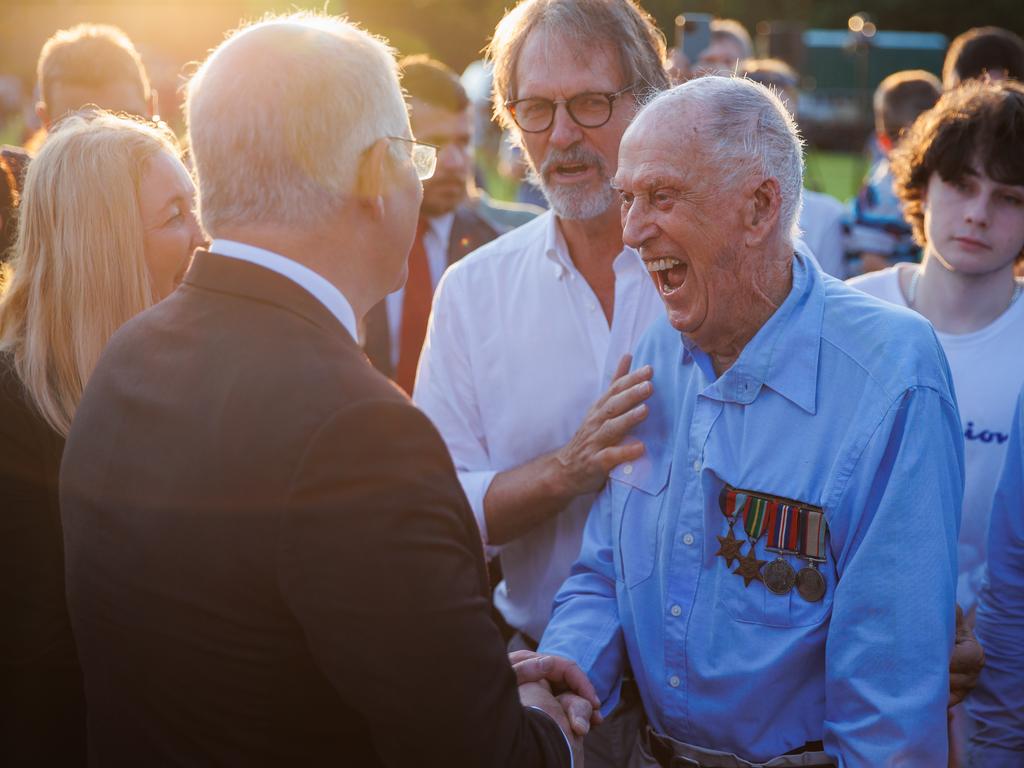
(525,370)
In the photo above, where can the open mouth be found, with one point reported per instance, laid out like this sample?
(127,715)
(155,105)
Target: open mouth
(669,274)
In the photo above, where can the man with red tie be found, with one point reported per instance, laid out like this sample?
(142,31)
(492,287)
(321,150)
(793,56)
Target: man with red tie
(454,218)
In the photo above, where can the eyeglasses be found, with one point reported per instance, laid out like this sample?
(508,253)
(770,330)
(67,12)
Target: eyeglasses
(589,110)
(424,156)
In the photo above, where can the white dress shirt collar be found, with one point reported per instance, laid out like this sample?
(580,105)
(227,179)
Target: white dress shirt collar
(321,289)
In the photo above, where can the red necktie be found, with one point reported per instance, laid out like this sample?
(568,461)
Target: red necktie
(419,291)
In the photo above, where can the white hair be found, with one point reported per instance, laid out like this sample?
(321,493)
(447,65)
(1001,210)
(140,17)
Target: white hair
(280,114)
(747,129)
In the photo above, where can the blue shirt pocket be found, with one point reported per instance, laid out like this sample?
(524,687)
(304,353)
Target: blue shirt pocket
(638,504)
(756,604)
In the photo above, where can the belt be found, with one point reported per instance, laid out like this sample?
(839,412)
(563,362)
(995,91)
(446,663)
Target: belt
(662,751)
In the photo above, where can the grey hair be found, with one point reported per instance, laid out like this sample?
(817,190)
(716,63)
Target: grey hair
(280,114)
(747,129)
(581,24)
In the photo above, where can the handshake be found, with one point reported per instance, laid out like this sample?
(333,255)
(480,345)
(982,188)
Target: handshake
(562,690)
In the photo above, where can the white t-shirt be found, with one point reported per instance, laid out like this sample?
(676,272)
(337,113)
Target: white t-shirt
(988,372)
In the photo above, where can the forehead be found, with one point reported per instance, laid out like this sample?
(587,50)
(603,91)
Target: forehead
(431,120)
(659,147)
(164,178)
(554,66)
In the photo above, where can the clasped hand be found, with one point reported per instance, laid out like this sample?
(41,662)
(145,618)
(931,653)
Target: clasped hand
(560,688)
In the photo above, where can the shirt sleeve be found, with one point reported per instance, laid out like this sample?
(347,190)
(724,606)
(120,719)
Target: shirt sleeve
(585,625)
(894,532)
(445,392)
(997,704)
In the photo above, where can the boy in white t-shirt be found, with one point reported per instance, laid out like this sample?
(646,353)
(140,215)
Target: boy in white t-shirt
(960,175)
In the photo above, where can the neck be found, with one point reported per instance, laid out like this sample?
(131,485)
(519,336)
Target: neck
(335,262)
(960,303)
(593,243)
(760,297)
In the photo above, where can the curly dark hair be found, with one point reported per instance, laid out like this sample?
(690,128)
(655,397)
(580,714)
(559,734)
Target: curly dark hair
(976,126)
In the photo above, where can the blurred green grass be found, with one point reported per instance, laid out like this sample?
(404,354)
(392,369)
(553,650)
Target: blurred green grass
(835,173)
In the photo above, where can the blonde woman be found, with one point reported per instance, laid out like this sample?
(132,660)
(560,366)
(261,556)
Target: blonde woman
(105,230)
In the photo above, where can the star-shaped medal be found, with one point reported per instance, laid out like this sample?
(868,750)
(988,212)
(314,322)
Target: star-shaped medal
(750,567)
(729,548)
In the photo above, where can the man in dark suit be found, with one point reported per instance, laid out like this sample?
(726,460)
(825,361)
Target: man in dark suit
(269,558)
(455,218)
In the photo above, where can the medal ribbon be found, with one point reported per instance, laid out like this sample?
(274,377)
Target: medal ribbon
(756,515)
(732,502)
(812,534)
(784,528)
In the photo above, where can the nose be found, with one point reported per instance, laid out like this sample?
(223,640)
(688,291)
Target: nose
(453,156)
(638,228)
(976,209)
(564,130)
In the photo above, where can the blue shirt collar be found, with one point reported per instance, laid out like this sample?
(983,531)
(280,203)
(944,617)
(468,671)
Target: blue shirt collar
(783,354)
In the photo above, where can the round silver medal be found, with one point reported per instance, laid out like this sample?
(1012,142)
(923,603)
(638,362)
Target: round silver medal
(779,576)
(810,584)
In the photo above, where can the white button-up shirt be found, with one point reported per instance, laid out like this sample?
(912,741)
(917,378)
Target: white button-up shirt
(516,354)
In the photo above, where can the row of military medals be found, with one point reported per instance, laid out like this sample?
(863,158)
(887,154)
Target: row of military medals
(791,530)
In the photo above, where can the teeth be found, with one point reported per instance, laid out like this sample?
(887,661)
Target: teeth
(658,265)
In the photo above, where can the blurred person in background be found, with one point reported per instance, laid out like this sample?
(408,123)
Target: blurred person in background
(729,44)
(90,64)
(983,52)
(879,233)
(455,217)
(821,216)
(105,229)
(959,174)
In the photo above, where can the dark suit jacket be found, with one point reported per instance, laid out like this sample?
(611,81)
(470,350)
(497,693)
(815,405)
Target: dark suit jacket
(269,558)
(470,229)
(42,706)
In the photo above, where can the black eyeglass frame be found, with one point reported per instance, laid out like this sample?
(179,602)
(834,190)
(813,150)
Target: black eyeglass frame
(510,105)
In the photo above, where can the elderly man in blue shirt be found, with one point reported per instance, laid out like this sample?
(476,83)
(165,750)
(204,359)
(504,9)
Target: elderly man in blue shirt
(779,568)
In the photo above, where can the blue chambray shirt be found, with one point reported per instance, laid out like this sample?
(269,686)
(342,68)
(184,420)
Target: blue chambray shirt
(997,704)
(841,402)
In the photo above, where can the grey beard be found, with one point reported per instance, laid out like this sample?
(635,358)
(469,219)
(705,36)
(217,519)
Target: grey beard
(574,202)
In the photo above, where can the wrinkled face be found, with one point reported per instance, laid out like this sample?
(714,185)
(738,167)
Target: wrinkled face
(687,229)
(170,230)
(573,164)
(451,132)
(975,225)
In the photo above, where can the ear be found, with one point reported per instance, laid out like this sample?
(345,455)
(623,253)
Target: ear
(761,212)
(372,180)
(43,114)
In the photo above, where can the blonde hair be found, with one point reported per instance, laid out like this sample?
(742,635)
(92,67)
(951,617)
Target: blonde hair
(280,115)
(78,269)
